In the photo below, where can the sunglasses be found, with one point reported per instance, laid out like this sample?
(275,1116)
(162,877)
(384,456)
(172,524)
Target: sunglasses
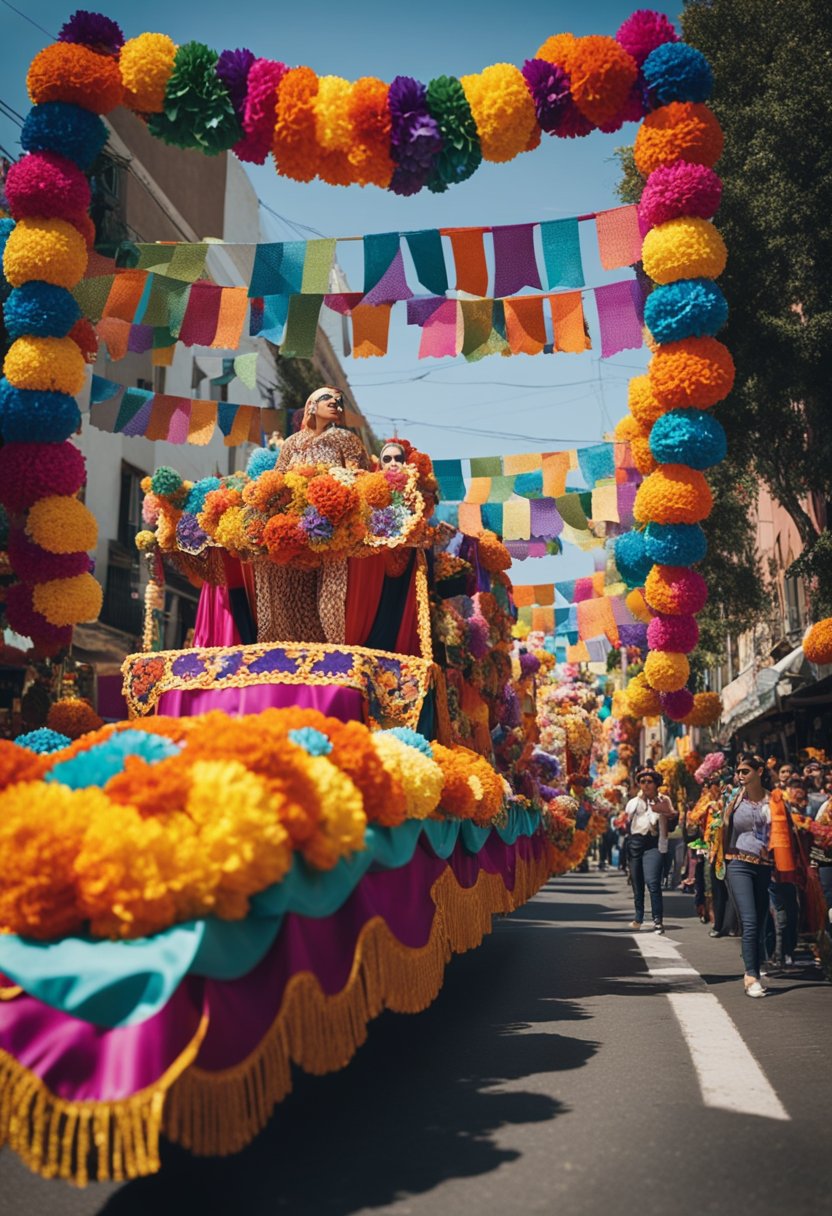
(742,772)
(646,780)
(390,458)
(335,398)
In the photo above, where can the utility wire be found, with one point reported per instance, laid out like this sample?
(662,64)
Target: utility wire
(11,113)
(31,20)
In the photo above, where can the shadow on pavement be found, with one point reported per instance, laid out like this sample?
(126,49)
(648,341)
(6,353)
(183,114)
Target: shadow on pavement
(420,1103)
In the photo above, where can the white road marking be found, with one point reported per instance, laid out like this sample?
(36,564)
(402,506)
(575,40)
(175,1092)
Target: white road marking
(729,1076)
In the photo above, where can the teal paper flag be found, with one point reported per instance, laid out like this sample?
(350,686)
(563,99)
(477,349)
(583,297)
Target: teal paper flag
(429,259)
(492,517)
(380,248)
(278,269)
(449,475)
(596,463)
(562,253)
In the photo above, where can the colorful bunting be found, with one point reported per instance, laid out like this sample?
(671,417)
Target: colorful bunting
(619,237)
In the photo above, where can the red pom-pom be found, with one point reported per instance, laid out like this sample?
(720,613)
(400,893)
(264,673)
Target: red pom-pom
(47,185)
(32,564)
(30,471)
(23,619)
(679,633)
(677,705)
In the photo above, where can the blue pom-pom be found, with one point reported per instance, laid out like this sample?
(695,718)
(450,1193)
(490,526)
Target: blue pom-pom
(43,741)
(40,309)
(691,437)
(412,738)
(98,764)
(675,544)
(59,126)
(30,415)
(631,560)
(688,308)
(260,461)
(675,71)
(198,492)
(313,741)
(529,485)
(6,229)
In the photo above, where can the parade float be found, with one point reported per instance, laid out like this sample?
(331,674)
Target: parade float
(294,833)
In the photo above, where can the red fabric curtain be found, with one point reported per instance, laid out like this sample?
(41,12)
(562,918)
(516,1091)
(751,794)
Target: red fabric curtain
(365,579)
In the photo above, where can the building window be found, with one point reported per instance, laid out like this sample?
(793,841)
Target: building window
(130,506)
(795,598)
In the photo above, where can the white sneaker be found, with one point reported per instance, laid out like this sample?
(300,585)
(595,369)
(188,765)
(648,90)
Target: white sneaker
(755,989)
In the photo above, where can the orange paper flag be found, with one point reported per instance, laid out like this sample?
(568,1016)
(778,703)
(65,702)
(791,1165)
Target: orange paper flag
(577,653)
(619,238)
(525,326)
(470,518)
(544,593)
(478,490)
(164,408)
(568,322)
(115,334)
(125,294)
(523,596)
(202,422)
(469,259)
(555,467)
(543,620)
(370,330)
(233,306)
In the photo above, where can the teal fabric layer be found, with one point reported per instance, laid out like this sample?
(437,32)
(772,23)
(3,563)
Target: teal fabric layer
(122,983)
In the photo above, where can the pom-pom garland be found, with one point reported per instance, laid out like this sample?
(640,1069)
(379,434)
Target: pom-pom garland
(460,154)
(68,601)
(677,705)
(70,72)
(675,544)
(23,619)
(637,605)
(233,68)
(679,131)
(47,185)
(666,670)
(642,700)
(679,633)
(32,564)
(694,372)
(686,308)
(676,190)
(293,140)
(678,72)
(369,154)
(644,407)
(602,74)
(643,31)
(28,416)
(631,560)
(675,591)
(503,111)
(68,129)
(51,250)
(197,111)
(93,30)
(673,494)
(817,644)
(684,248)
(258,115)
(146,65)
(691,437)
(40,309)
(46,364)
(415,141)
(31,471)
(61,524)
(707,708)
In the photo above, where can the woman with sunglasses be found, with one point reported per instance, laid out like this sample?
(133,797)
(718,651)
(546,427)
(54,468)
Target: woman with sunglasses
(648,815)
(296,605)
(746,837)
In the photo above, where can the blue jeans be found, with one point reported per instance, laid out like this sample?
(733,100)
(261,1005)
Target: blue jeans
(783,898)
(748,887)
(646,863)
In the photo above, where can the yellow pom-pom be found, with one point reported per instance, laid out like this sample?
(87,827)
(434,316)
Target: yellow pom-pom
(627,429)
(503,110)
(707,708)
(637,605)
(50,250)
(146,65)
(684,248)
(817,645)
(666,670)
(642,700)
(642,401)
(68,601)
(643,458)
(674,494)
(46,364)
(62,524)
(333,129)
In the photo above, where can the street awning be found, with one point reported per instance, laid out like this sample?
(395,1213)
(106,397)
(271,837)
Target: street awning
(753,695)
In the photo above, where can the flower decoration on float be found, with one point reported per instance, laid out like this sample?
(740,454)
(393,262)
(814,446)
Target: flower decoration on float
(817,644)
(73,717)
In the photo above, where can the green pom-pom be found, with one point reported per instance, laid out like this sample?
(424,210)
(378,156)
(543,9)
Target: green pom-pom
(461,152)
(198,112)
(165,481)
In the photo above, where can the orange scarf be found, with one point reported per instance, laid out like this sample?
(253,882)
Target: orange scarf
(782,846)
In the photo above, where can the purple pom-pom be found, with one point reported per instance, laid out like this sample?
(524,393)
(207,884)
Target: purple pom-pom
(642,32)
(529,664)
(677,633)
(94,30)
(549,87)
(233,68)
(633,635)
(677,705)
(415,140)
(679,189)
(190,537)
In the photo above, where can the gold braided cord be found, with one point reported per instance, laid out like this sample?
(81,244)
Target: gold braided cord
(61,1138)
(217,1113)
(423,606)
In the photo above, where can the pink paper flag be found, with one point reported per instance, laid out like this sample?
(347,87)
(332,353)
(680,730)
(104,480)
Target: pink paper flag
(439,333)
(180,421)
(619,237)
(391,286)
(619,314)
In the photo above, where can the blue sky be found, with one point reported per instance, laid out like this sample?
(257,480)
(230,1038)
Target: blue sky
(497,405)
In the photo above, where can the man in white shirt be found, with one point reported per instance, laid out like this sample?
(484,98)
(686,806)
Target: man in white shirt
(649,814)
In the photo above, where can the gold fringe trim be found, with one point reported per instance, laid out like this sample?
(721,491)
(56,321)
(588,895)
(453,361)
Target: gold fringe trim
(214,1114)
(76,1141)
(217,1113)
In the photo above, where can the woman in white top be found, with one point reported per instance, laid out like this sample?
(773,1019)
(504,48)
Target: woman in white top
(648,815)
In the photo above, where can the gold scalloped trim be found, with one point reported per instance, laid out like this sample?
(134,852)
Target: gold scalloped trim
(218,1113)
(59,1138)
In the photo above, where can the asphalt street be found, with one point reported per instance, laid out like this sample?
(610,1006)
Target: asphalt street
(568,1066)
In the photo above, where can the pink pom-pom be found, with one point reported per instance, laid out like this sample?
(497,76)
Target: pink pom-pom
(679,633)
(259,110)
(677,705)
(32,564)
(642,32)
(675,590)
(48,186)
(713,763)
(31,471)
(24,620)
(679,189)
